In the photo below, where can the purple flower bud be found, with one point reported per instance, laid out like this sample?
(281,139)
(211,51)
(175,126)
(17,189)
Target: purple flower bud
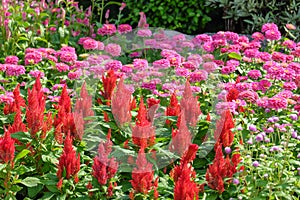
(298,156)
(267,110)
(227,150)
(263,134)
(275,148)
(293,117)
(255,164)
(262,155)
(294,134)
(259,138)
(270,130)
(239,128)
(277,125)
(250,141)
(270,120)
(275,119)
(298,137)
(267,140)
(252,127)
(235,181)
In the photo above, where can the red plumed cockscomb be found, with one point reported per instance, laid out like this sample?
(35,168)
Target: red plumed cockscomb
(142,175)
(68,161)
(183,175)
(35,108)
(109,84)
(18,125)
(220,169)
(190,106)
(173,109)
(84,103)
(233,94)
(104,168)
(7,148)
(181,138)
(17,104)
(223,133)
(121,105)
(143,133)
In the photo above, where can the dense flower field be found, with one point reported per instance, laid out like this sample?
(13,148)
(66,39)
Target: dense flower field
(106,111)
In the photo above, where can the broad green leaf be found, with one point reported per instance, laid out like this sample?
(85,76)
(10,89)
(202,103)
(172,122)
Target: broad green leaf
(235,56)
(30,181)
(47,196)
(33,191)
(22,154)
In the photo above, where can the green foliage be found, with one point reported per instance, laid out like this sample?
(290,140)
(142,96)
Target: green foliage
(185,16)
(250,15)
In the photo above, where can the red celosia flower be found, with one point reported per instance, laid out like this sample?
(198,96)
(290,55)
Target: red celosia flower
(223,133)
(153,105)
(142,174)
(183,175)
(109,84)
(47,125)
(152,101)
(35,109)
(121,105)
(233,94)
(65,100)
(68,161)
(18,125)
(215,172)
(66,121)
(7,148)
(221,168)
(185,188)
(173,109)
(190,106)
(17,104)
(59,183)
(181,138)
(84,103)
(104,168)
(143,133)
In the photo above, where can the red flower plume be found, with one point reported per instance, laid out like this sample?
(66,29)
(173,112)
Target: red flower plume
(190,106)
(68,161)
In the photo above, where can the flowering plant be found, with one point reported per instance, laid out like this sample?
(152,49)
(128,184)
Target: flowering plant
(149,113)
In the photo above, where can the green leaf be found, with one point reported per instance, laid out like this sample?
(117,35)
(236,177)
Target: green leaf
(47,196)
(30,181)
(235,56)
(22,154)
(23,169)
(33,191)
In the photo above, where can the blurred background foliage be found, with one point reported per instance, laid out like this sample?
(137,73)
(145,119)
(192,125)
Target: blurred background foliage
(200,16)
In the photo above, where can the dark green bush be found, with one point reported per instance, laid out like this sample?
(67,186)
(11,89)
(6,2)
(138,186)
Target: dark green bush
(188,16)
(247,16)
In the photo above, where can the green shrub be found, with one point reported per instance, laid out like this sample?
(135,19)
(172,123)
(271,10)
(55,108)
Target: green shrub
(189,16)
(247,16)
